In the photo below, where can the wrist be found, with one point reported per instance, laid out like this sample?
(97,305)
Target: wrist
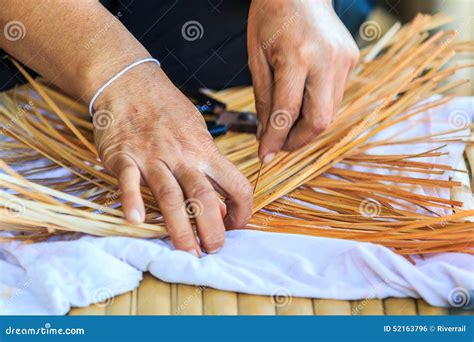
(94,74)
(117,76)
(141,82)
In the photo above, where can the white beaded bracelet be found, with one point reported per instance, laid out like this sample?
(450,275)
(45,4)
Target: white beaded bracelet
(123,71)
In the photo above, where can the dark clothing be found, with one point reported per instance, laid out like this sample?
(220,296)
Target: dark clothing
(200,43)
(353,12)
(216,56)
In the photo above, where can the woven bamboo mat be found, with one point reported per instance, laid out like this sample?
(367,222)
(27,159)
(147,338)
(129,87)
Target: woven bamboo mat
(155,297)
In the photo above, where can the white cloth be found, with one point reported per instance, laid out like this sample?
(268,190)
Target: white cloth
(51,277)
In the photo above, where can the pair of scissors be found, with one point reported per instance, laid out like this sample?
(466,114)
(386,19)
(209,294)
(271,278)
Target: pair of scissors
(218,119)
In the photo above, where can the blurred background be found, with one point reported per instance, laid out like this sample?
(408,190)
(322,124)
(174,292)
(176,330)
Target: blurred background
(388,12)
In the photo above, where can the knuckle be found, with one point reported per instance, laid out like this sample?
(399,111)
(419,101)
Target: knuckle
(244,188)
(169,197)
(167,191)
(331,52)
(113,157)
(294,110)
(212,238)
(240,187)
(306,53)
(204,193)
(127,168)
(179,168)
(319,125)
(279,58)
(182,237)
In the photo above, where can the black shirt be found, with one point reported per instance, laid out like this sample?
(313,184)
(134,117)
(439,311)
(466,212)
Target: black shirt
(200,43)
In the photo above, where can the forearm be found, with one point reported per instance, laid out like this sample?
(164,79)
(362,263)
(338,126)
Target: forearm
(76,45)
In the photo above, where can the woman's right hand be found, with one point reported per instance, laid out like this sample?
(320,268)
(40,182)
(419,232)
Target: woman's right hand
(146,130)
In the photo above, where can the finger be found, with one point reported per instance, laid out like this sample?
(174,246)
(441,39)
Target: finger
(203,205)
(223,208)
(236,189)
(262,80)
(339,87)
(317,112)
(128,175)
(287,97)
(169,196)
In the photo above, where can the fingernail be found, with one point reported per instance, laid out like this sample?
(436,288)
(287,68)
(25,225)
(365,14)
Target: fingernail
(135,216)
(268,158)
(223,208)
(214,251)
(194,252)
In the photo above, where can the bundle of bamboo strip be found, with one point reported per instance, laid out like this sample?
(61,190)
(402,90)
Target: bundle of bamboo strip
(305,192)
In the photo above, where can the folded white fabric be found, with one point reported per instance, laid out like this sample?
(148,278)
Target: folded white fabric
(51,277)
